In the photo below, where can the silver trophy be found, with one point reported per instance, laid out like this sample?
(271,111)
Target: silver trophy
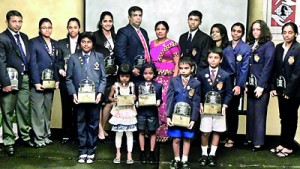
(13,77)
(147,96)
(66,58)
(280,82)
(181,115)
(47,79)
(86,92)
(139,60)
(251,85)
(212,104)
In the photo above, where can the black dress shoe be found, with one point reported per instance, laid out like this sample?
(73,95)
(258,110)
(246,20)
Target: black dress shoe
(29,143)
(255,149)
(143,158)
(212,161)
(203,160)
(102,140)
(9,150)
(65,140)
(152,159)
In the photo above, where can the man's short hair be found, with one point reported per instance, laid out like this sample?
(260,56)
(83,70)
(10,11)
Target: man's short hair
(13,13)
(195,13)
(133,9)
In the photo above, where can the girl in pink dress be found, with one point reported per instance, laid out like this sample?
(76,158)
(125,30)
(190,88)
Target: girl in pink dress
(165,54)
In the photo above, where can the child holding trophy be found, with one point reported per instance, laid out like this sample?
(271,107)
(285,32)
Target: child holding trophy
(123,113)
(86,80)
(149,94)
(216,93)
(183,99)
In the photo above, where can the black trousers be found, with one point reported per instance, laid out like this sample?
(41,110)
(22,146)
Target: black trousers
(69,118)
(288,113)
(232,117)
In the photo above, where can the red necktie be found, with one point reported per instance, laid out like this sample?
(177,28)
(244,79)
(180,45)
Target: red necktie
(212,75)
(147,55)
(185,82)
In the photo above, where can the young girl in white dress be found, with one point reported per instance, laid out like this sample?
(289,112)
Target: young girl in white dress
(123,117)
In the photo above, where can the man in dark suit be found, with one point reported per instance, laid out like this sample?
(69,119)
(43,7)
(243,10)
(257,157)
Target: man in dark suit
(82,65)
(195,43)
(66,47)
(132,40)
(14,54)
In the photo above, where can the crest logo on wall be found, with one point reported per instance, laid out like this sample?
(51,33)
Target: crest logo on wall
(283,11)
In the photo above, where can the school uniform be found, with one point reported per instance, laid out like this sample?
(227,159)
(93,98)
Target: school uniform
(236,63)
(287,69)
(190,94)
(14,101)
(260,66)
(66,47)
(148,115)
(223,86)
(42,57)
(87,114)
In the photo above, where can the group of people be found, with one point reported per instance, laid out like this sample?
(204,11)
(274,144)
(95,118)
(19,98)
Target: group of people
(125,64)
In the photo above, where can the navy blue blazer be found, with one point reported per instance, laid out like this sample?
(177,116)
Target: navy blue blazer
(177,93)
(150,110)
(76,72)
(41,59)
(64,52)
(289,68)
(10,56)
(261,63)
(222,85)
(128,44)
(236,62)
(201,43)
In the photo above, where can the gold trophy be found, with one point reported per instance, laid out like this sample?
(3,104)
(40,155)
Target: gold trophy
(212,105)
(86,92)
(147,96)
(47,79)
(125,100)
(13,77)
(181,116)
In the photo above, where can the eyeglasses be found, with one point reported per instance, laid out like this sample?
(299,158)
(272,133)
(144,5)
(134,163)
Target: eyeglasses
(44,28)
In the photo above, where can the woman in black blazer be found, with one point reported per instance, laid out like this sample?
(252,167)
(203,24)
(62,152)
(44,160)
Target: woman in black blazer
(105,42)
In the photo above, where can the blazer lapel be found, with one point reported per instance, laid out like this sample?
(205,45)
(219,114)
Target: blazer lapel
(196,36)
(218,77)
(135,34)
(43,42)
(17,49)
(289,53)
(26,46)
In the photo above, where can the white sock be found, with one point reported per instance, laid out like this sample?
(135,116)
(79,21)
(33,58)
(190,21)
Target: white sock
(213,150)
(177,158)
(184,158)
(129,141)
(118,140)
(204,150)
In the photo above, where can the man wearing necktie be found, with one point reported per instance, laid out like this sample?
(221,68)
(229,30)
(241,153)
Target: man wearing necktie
(132,40)
(14,54)
(195,43)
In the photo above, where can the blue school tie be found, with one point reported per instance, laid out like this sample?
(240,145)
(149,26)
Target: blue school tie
(189,42)
(22,51)
(86,57)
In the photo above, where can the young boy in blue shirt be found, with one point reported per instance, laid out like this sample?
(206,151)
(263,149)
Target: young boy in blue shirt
(183,88)
(215,79)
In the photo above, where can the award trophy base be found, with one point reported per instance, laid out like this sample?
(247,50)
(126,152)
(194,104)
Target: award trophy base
(14,84)
(212,109)
(110,70)
(86,97)
(179,120)
(48,84)
(147,100)
(125,100)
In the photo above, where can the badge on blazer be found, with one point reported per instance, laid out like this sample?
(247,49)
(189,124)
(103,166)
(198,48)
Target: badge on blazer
(188,87)
(210,83)
(56,52)
(291,60)
(191,92)
(239,58)
(256,57)
(96,66)
(194,52)
(67,45)
(220,85)
(206,75)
